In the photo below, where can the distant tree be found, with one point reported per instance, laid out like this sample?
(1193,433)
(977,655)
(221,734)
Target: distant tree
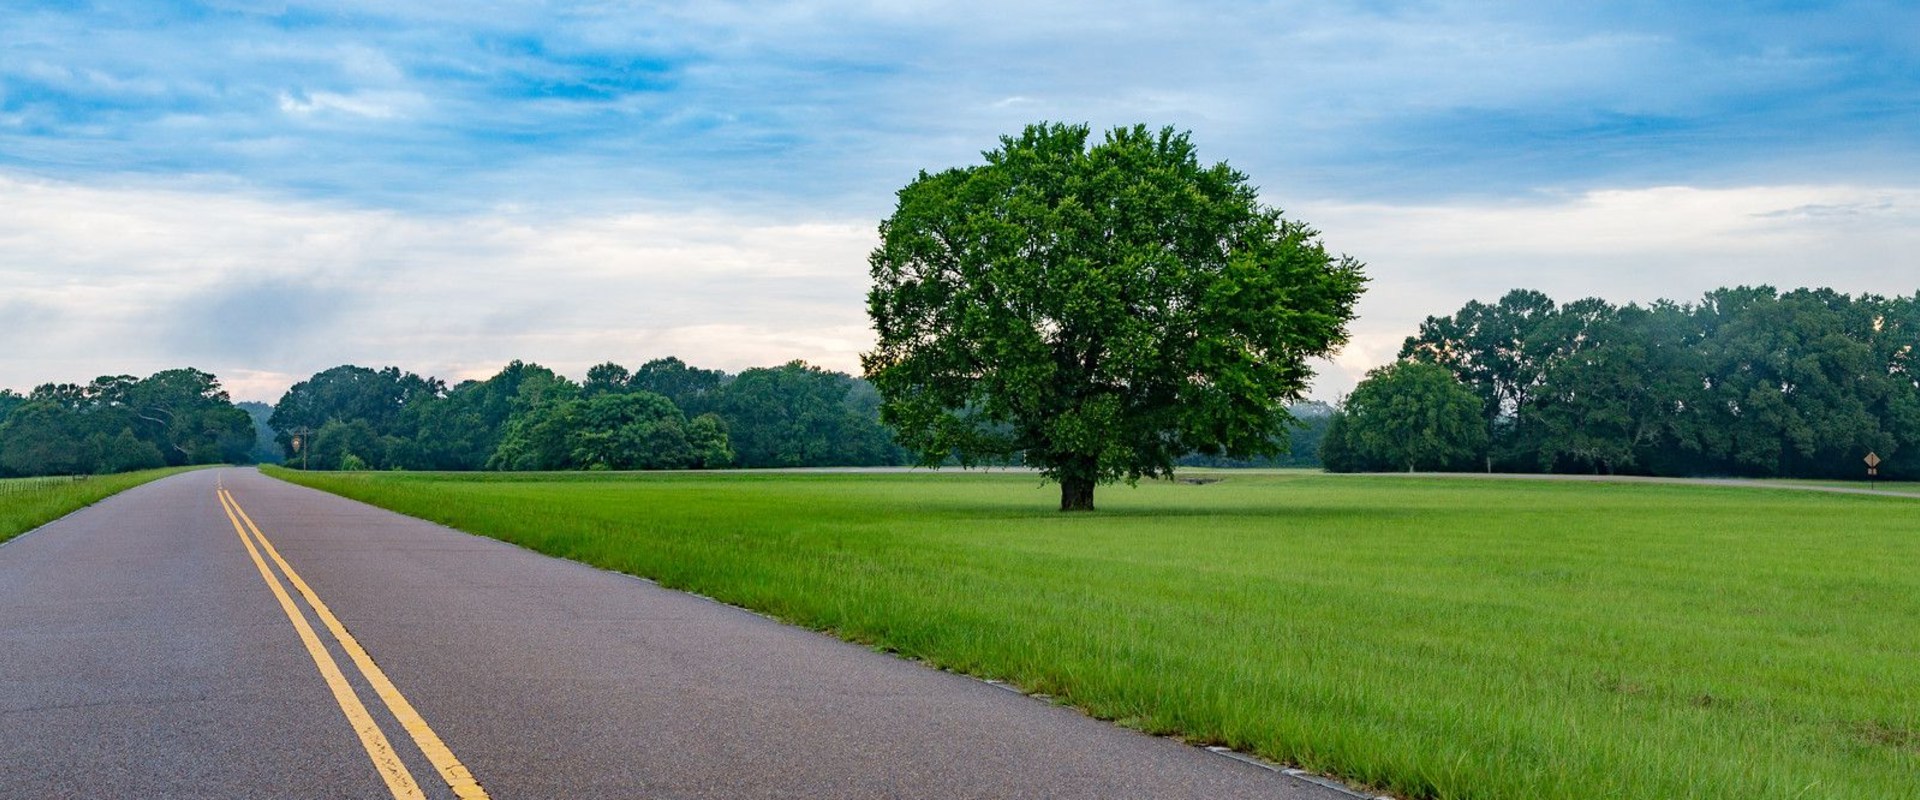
(798,415)
(1312,419)
(462,430)
(607,378)
(641,430)
(42,437)
(712,447)
(188,417)
(1794,381)
(10,400)
(70,396)
(538,433)
(1337,453)
(343,444)
(1500,352)
(1298,447)
(538,439)
(1096,311)
(122,452)
(1748,381)
(1896,343)
(379,398)
(1597,408)
(182,414)
(689,388)
(264,451)
(1412,415)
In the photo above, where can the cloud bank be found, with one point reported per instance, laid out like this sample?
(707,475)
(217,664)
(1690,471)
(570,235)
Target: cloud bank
(264,292)
(265,189)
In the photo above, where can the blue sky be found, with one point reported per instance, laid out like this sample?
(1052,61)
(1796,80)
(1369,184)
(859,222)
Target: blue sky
(447,186)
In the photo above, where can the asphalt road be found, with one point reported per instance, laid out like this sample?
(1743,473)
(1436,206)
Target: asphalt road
(146,652)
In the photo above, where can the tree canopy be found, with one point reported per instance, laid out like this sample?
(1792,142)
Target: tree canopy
(1748,381)
(663,415)
(1097,311)
(118,423)
(1410,416)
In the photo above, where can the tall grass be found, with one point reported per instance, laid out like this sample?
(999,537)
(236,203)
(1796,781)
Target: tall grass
(1434,638)
(28,503)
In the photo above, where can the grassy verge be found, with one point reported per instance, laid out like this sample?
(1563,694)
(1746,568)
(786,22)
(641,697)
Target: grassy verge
(1432,637)
(28,503)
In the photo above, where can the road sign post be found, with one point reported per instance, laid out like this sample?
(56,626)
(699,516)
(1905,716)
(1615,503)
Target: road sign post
(1873,468)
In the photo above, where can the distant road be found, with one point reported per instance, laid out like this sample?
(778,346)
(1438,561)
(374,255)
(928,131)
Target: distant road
(221,634)
(1904,490)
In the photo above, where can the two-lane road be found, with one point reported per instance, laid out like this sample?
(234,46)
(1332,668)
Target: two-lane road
(222,634)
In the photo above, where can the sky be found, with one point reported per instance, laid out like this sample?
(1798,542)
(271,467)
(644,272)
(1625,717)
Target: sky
(267,189)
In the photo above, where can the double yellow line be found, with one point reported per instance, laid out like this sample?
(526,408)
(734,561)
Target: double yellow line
(391,768)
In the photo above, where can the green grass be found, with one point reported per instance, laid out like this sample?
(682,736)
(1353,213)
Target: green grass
(1430,637)
(28,503)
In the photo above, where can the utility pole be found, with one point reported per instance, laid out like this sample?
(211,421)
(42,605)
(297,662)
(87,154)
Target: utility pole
(303,444)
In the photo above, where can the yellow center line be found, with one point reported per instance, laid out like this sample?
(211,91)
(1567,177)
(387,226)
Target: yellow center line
(456,775)
(399,781)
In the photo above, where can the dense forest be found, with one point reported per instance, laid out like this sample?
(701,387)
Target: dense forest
(119,423)
(1747,382)
(662,415)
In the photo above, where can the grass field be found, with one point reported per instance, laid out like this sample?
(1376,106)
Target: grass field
(1430,637)
(28,503)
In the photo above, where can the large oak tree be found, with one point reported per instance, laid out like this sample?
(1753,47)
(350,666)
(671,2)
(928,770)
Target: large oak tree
(1097,311)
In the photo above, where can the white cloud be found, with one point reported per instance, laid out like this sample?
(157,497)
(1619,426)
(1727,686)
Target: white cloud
(269,291)
(369,104)
(111,279)
(1623,245)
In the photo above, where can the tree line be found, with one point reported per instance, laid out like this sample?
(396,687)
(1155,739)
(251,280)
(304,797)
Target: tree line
(119,423)
(664,414)
(1749,381)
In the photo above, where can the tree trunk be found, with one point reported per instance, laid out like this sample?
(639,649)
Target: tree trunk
(1076,494)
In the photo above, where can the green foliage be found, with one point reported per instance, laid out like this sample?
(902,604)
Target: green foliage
(118,422)
(690,388)
(10,400)
(1410,415)
(605,378)
(186,414)
(1501,640)
(339,440)
(1299,448)
(378,398)
(527,417)
(122,452)
(797,415)
(1748,381)
(708,438)
(1099,311)
(42,438)
(610,431)
(265,449)
(462,430)
(537,439)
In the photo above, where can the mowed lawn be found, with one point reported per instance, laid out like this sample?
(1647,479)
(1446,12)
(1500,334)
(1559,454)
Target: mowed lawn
(1429,637)
(28,503)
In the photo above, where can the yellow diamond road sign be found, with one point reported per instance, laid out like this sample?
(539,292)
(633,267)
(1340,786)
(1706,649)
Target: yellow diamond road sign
(1873,460)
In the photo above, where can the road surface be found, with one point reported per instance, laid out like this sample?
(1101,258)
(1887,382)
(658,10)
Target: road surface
(222,634)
